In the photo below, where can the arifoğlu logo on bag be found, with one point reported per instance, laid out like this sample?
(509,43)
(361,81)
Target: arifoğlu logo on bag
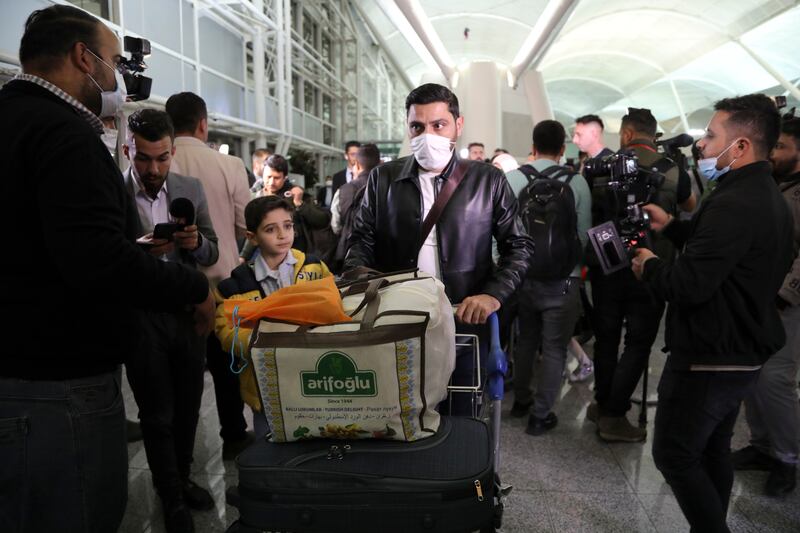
(337,375)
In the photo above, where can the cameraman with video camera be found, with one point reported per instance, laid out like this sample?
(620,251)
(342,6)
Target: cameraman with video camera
(723,323)
(73,283)
(619,299)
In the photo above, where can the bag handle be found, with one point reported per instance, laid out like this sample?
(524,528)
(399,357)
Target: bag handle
(451,183)
(372,301)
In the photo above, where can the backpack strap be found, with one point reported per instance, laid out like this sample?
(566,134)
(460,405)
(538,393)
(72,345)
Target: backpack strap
(529,172)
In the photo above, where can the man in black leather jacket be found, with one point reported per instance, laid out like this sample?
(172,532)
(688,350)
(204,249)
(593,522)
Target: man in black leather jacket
(387,230)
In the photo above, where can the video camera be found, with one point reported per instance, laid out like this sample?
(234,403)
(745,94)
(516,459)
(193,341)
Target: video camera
(614,241)
(136,85)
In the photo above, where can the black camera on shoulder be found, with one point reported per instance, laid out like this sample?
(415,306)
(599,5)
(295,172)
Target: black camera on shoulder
(630,187)
(136,85)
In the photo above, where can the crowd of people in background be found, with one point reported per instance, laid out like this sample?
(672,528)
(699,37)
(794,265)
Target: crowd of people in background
(185,227)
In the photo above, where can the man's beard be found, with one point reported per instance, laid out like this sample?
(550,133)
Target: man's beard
(783,169)
(90,96)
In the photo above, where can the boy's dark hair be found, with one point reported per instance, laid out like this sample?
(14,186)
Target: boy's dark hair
(50,34)
(549,137)
(791,127)
(368,156)
(588,119)
(470,145)
(350,144)
(257,209)
(279,163)
(151,124)
(755,117)
(186,111)
(641,121)
(430,93)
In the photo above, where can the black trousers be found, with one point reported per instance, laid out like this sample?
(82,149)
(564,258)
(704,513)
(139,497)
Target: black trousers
(692,444)
(230,406)
(166,376)
(619,299)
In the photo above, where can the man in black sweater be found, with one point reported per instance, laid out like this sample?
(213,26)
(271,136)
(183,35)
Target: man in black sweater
(74,284)
(722,321)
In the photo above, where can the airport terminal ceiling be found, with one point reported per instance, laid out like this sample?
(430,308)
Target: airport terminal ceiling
(673,56)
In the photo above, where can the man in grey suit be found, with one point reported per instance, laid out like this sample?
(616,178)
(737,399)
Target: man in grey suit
(166,371)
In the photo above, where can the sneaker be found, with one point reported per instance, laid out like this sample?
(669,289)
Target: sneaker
(538,426)
(518,410)
(782,479)
(751,458)
(593,412)
(581,373)
(196,497)
(232,448)
(618,429)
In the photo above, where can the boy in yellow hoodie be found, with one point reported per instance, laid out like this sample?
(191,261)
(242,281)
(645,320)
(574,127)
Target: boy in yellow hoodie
(277,265)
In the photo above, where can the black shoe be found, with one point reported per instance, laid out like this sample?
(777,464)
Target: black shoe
(232,448)
(133,430)
(751,458)
(518,410)
(537,426)
(782,479)
(196,497)
(177,518)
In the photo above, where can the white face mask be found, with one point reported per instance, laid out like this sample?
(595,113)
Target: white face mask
(109,138)
(111,101)
(432,152)
(708,166)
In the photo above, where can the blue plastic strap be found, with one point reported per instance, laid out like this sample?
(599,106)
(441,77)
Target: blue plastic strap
(496,362)
(237,321)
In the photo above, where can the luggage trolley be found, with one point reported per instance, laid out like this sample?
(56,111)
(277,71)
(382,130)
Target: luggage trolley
(363,486)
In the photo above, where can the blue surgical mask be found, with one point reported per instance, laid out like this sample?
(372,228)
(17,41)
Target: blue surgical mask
(708,166)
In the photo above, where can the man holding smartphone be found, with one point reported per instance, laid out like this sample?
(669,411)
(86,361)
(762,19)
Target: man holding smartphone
(166,372)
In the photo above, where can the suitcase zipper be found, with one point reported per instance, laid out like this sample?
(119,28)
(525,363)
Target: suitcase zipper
(338,451)
(479,489)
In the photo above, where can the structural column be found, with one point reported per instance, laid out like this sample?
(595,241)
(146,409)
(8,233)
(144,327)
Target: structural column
(538,101)
(478,92)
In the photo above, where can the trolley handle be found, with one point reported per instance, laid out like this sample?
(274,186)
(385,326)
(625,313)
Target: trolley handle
(496,363)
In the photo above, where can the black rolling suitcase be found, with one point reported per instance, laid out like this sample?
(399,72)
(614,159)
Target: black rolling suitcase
(446,483)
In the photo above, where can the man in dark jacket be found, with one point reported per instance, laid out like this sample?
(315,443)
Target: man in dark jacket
(348,198)
(74,284)
(458,250)
(722,322)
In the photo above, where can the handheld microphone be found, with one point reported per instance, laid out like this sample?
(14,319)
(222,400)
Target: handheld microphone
(182,208)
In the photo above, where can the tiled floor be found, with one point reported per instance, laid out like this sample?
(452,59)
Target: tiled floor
(564,481)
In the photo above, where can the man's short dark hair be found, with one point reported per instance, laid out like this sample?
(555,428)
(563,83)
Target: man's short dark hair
(588,119)
(791,127)
(261,152)
(754,116)
(279,163)
(641,121)
(151,124)
(51,33)
(368,157)
(470,145)
(500,151)
(350,144)
(186,111)
(430,93)
(257,209)
(549,137)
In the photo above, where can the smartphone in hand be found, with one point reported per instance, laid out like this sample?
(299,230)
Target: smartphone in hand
(166,231)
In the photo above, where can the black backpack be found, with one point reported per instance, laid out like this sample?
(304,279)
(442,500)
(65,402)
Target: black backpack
(547,208)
